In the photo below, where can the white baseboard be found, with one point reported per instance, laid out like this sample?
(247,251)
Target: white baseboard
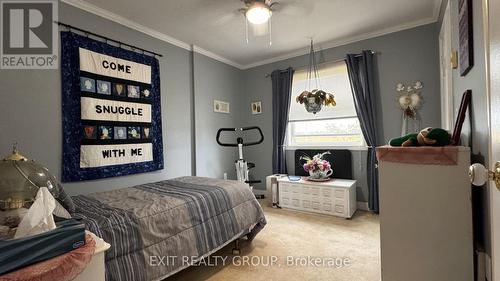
(362,206)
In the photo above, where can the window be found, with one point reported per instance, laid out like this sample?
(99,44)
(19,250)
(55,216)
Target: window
(332,126)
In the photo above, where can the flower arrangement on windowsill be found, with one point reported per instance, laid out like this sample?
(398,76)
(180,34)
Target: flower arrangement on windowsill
(317,167)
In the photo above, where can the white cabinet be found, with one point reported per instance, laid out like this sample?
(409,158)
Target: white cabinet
(336,197)
(95,270)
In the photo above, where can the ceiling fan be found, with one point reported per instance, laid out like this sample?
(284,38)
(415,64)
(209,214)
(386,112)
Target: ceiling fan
(258,14)
(258,11)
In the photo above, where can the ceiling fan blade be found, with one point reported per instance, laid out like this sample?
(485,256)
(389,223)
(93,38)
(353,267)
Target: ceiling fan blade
(225,19)
(293,8)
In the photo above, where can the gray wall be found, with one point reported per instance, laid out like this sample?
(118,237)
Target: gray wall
(404,56)
(30,110)
(479,132)
(215,80)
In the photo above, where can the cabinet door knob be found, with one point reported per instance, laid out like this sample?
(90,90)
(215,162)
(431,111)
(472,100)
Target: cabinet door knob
(479,175)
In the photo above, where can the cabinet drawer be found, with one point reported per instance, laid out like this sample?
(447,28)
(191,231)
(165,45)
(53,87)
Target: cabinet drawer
(315,190)
(295,202)
(315,206)
(339,209)
(327,192)
(306,204)
(285,201)
(327,207)
(295,196)
(340,202)
(284,187)
(339,193)
(306,189)
(295,188)
(286,195)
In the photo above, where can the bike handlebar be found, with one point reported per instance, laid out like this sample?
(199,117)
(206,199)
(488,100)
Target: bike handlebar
(239,129)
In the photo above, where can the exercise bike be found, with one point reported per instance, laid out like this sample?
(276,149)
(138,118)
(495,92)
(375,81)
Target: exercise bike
(242,167)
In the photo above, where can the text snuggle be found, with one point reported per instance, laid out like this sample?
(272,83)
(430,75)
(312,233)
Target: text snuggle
(118,110)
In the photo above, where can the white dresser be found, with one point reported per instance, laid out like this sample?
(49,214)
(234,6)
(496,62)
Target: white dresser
(336,197)
(425,216)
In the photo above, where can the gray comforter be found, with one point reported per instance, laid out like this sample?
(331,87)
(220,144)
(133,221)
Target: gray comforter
(151,227)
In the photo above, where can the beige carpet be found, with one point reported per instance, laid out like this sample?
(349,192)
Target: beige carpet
(354,245)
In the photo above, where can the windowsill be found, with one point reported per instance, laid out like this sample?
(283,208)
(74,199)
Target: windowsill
(353,148)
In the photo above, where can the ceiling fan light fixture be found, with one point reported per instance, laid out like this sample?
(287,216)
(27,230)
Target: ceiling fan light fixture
(258,13)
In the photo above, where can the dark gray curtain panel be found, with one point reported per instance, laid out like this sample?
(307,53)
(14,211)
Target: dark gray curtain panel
(361,75)
(282,91)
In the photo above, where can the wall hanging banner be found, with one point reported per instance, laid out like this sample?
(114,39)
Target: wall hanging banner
(111,110)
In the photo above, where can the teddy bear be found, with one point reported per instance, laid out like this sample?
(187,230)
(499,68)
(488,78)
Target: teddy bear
(426,137)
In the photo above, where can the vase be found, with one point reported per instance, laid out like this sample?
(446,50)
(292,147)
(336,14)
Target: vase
(318,174)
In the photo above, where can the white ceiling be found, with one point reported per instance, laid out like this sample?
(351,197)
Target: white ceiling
(216,29)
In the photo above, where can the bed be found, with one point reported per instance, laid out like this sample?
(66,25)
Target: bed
(152,226)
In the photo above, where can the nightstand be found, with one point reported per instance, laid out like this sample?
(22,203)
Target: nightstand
(95,270)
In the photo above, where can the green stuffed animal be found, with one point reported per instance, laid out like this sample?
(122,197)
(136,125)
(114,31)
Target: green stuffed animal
(428,136)
(407,140)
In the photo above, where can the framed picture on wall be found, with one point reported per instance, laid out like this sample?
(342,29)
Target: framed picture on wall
(256,107)
(465,37)
(464,105)
(221,106)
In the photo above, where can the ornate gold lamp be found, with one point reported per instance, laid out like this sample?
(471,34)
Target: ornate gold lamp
(20,180)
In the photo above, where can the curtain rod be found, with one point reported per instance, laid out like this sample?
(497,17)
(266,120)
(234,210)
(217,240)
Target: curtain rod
(326,62)
(120,43)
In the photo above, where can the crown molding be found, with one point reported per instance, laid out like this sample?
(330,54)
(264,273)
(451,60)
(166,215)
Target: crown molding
(353,39)
(214,56)
(91,8)
(345,41)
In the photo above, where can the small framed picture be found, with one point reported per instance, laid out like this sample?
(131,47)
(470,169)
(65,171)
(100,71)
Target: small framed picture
(146,133)
(466,36)
(90,132)
(119,89)
(145,93)
(133,91)
(464,105)
(221,106)
(256,107)
(103,87)
(120,133)
(87,84)
(134,133)
(105,132)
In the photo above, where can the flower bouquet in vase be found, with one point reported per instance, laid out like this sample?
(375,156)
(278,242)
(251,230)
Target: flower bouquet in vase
(318,168)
